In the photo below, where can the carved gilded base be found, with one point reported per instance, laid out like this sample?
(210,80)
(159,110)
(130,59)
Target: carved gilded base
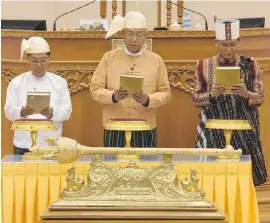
(65,205)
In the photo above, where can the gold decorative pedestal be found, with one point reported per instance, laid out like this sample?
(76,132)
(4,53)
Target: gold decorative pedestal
(128,125)
(228,126)
(33,125)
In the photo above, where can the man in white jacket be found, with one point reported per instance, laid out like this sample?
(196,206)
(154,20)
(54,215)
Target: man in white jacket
(37,79)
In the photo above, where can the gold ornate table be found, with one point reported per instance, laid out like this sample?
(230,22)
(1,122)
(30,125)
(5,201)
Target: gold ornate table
(33,125)
(228,126)
(128,125)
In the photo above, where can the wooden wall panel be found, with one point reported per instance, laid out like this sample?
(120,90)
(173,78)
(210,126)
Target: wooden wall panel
(87,114)
(177,122)
(6,133)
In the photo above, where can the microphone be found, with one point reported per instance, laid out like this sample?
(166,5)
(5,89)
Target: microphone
(206,24)
(54,24)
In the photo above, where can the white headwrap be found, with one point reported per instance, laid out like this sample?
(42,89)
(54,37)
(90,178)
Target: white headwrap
(132,20)
(35,44)
(227,29)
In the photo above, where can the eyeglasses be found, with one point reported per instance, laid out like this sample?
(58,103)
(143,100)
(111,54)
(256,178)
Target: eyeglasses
(42,61)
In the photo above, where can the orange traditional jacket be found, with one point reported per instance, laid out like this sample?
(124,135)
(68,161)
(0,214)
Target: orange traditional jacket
(106,79)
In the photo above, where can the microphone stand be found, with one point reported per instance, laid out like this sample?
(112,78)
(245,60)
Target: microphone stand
(54,24)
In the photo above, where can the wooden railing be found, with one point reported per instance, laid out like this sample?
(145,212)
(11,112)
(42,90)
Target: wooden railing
(103,9)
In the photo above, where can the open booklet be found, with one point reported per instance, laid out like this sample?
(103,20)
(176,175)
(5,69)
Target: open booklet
(38,101)
(131,82)
(228,76)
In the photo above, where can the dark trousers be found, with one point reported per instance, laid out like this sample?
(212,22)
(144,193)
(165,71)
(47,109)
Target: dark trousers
(138,138)
(20,151)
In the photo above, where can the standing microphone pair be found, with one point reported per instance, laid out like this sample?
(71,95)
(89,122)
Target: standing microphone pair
(206,24)
(54,24)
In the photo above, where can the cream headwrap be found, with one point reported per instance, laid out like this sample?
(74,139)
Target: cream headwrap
(132,20)
(227,29)
(35,44)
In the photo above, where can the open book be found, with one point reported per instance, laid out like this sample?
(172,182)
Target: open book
(38,101)
(228,76)
(131,82)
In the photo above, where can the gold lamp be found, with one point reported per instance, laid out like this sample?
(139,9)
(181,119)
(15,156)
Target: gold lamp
(128,125)
(228,126)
